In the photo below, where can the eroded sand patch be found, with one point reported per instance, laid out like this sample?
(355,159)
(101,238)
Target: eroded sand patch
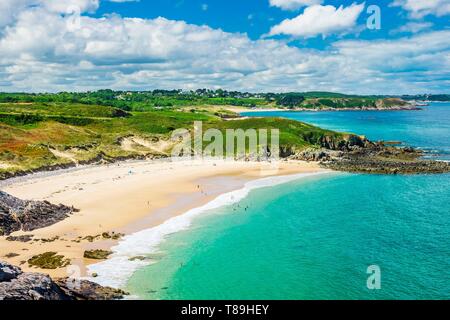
(63,154)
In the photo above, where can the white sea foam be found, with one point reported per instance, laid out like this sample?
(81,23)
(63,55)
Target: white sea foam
(116,271)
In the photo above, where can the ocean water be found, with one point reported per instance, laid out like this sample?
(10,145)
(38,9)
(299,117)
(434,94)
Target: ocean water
(427,129)
(315,236)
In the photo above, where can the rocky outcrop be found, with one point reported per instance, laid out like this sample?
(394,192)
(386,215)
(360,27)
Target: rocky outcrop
(328,146)
(31,286)
(344,143)
(18,285)
(8,272)
(97,254)
(317,155)
(17,214)
(87,290)
(354,153)
(23,238)
(378,158)
(365,164)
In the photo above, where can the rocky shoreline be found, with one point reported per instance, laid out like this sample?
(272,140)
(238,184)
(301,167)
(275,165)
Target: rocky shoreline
(386,162)
(18,285)
(26,215)
(391,108)
(344,160)
(349,153)
(359,155)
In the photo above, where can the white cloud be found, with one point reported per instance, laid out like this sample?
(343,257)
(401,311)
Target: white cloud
(293,4)
(9,9)
(413,27)
(40,52)
(420,8)
(324,20)
(65,6)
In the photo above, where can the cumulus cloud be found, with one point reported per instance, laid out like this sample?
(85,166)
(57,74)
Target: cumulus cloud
(40,51)
(9,9)
(413,27)
(316,20)
(420,8)
(293,4)
(66,6)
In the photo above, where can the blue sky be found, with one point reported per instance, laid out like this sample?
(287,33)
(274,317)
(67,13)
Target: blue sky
(256,17)
(255,45)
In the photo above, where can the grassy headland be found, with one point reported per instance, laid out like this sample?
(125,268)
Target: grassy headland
(38,135)
(52,131)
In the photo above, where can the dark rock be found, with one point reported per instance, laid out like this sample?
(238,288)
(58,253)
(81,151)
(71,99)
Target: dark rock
(354,153)
(97,254)
(343,143)
(87,290)
(317,155)
(8,272)
(24,238)
(31,286)
(17,285)
(112,235)
(17,214)
(139,258)
(386,161)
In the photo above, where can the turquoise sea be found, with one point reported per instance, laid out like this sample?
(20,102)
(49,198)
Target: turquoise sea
(314,238)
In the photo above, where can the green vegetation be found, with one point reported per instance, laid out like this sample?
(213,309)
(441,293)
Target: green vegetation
(48,260)
(51,135)
(51,131)
(290,100)
(97,254)
(61,109)
(138,101)
(294,135)
(141,101)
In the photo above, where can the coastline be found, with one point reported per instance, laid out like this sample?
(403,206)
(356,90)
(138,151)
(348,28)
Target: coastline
(142,248)
(241,110)
(125,198)
(335,109)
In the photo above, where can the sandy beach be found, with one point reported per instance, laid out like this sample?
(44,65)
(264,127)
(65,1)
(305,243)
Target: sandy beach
(125,198)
